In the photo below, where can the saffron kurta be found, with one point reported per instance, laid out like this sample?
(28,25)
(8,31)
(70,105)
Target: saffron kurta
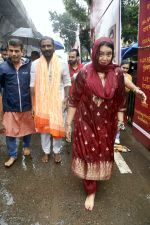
(95,127)
(18,124)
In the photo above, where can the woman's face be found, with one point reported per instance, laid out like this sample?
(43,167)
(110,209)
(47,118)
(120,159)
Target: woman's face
(105,55)
(125,68)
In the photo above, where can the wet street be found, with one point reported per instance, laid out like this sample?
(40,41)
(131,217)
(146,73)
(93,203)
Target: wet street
(33,193)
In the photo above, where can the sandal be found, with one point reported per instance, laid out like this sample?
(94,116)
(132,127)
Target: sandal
(26,151)
(10,162)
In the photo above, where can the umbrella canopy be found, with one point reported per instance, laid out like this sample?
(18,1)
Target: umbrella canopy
(123,50)
(30,38)
(27,35)
(58,45)
(129,51)
(23,32)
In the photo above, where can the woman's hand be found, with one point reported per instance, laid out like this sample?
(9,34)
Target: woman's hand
(141,95)
(68,133)
(129,84)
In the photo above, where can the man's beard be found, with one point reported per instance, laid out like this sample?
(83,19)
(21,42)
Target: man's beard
(72,63)
(48,54)
(15,59)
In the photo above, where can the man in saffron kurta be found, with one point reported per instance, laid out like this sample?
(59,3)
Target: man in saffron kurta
(48,78)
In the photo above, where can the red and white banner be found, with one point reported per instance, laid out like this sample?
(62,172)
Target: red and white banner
(105,21)
(141,120)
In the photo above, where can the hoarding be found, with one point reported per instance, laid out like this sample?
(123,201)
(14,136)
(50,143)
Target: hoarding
(105,21)
(141,120)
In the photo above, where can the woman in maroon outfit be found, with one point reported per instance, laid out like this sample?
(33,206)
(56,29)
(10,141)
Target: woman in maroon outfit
(98,95)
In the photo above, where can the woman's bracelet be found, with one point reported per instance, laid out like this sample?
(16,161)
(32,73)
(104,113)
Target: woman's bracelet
(136,89)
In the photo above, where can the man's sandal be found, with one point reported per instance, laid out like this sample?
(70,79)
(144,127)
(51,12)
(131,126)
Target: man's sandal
(10,162)
(26,151)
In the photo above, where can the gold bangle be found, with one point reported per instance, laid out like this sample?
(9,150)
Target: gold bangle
(136,89)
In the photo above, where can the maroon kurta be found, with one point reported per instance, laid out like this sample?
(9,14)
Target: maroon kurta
(95,127)
(72,72)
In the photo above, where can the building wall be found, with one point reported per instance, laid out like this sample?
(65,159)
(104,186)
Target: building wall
(12,16)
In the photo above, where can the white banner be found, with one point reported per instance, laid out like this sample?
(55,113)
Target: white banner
(106,21)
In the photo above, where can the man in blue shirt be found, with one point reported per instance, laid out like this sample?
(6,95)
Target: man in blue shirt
(15,81)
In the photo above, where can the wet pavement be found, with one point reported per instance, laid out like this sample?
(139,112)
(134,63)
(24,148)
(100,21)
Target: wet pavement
(33,193)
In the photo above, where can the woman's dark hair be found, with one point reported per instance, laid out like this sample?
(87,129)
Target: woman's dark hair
(16,42)
(125,62)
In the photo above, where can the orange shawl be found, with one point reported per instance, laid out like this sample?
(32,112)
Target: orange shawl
(47,102)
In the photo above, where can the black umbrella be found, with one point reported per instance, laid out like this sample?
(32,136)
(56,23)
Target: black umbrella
(27,35)
(30,37)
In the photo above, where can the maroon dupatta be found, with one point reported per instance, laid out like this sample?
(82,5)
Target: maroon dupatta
(93,80)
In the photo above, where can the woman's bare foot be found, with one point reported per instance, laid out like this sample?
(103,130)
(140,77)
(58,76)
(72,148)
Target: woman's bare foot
(45,158)
(89,202)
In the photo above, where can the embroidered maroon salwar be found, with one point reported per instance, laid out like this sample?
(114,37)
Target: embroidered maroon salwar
(95,122)
(90,186)
(95,127)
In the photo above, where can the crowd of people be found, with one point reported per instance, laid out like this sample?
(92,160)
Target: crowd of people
(37,93)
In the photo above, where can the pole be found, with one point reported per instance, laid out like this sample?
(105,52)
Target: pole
(78,39)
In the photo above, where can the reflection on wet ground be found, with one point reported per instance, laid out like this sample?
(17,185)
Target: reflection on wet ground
(34,193)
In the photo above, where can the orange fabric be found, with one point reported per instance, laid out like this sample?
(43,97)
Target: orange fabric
(48,103)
